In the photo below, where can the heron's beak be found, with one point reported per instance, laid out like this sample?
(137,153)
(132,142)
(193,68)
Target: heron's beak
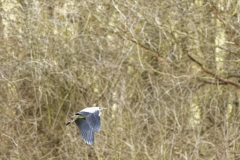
(103,108)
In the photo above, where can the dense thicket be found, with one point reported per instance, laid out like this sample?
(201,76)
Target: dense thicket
(168,72)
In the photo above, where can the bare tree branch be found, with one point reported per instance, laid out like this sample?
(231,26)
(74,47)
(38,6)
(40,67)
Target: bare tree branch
(212,74)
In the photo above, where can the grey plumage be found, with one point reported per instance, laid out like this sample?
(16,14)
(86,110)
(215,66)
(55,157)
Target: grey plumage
(88,122)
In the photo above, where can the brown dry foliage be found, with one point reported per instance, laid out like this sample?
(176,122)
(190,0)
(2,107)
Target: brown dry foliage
(153,64)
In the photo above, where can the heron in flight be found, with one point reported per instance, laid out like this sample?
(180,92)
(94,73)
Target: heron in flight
(88,122)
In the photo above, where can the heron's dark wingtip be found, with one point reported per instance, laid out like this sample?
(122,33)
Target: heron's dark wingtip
(88,143)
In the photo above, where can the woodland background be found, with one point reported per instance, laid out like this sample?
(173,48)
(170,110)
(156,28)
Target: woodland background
(168,72)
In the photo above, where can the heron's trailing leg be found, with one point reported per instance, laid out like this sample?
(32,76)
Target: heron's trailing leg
(72,119)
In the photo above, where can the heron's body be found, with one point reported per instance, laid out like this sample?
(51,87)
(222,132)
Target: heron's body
(88,122)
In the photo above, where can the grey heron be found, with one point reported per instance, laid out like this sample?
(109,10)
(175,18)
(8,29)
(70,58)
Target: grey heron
(88,122)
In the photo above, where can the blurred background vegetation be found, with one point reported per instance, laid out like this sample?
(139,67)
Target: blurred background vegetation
(168,72)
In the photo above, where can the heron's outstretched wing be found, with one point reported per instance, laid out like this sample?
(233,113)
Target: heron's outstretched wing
(86,131)
(92,118)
